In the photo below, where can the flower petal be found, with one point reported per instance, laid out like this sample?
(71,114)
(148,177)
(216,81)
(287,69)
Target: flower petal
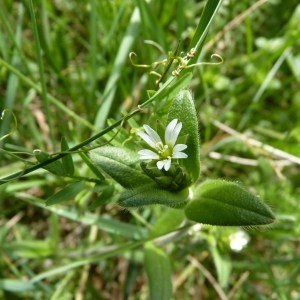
(177,151)
(169,130)
(179,155)
(172,125)
(152,134)
(146,138)
(166,164)
(148,154)
(160,164)
(179,147)
(151,137)
(172,132)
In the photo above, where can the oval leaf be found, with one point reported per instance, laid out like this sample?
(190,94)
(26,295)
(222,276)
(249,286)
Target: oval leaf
(219,202)
(150,194)
(16,286)
(121,164)
(183,109)
(66,193)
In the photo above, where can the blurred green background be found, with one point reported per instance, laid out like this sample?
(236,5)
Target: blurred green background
(249,117)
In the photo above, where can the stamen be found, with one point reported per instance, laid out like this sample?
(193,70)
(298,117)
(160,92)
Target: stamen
(160,147)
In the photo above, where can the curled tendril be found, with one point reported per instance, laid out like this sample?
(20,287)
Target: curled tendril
(152,66)
(156,45)
(166,63)
(213,56)
(184,62)
(137,65)
(155,74)
(174,58)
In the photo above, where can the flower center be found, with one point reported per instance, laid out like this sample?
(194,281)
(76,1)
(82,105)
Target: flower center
(164,150)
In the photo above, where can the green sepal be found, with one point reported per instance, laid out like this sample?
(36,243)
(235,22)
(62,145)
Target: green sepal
(151,194)
(164,181)
(158,176)
(151,169)
(183,109)
(174,179)
(121,164)
(219,202)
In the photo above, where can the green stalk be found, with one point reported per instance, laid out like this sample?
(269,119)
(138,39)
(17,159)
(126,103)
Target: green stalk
(64,153)
(41,72)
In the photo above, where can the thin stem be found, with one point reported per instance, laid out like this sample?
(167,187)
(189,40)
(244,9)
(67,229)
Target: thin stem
(67,152)
(169,64)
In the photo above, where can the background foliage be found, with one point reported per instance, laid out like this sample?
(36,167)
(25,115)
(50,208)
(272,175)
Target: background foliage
(81,60)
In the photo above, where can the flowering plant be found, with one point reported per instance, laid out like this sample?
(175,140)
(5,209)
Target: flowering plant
(167,172)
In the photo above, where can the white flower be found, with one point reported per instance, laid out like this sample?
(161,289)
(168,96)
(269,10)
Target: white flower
(163,152)
(238,240)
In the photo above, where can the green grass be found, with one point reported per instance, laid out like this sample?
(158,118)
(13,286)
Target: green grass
(66,82)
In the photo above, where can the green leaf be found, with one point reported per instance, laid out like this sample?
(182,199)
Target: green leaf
(55,167)
(16,286)
(66,193)
(106,194)
(151,194)
(104,222)
(67,160)
(204,24)
(181,83)
(168,221)
(219,202)
(91,166)
(121,59)
(158,269)
(121,164)
(183,109)
(223,265)
(33,249)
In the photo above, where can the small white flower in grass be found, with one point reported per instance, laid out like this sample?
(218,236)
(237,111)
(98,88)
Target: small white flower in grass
(165,151)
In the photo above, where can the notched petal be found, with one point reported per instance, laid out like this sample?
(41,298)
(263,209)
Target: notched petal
(164,164)
(172,132)
(148,154)
(152,134)
(147,139)
(160,164)
(180,155)
(179,147)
